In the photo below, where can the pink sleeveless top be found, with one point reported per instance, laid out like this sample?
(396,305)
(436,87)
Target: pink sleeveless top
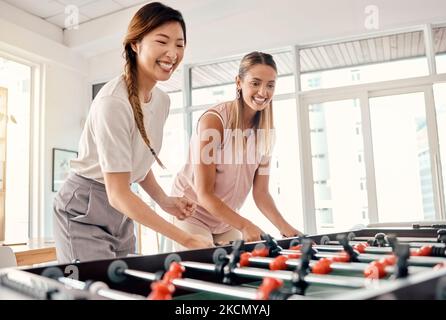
(233,180)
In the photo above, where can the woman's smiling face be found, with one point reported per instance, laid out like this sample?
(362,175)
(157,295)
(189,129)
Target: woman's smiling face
(258,86)
(160,51)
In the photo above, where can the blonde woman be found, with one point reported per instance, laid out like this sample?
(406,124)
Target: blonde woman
(95,208)
(230,154)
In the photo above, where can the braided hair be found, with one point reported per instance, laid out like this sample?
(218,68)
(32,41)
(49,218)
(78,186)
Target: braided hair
(147,18)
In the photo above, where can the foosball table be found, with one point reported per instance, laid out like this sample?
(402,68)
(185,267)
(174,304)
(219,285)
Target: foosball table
(370,263)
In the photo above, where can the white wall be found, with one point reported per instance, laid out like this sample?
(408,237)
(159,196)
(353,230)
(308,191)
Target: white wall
(67,102)
(105,66)
(65,92)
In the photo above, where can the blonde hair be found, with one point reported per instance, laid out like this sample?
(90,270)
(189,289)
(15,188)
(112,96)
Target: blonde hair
(147,18)
(263,119)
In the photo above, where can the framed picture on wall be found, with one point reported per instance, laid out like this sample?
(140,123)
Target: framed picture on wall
(61,166)
(96,87)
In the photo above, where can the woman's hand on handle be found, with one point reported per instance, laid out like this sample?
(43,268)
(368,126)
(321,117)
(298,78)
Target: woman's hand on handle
(251,232)
(288,231)
(197,241)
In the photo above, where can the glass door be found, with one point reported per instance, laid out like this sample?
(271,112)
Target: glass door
(403,148)
(440,108)
(338,175)
(15,135)
(371,157)
(3,123)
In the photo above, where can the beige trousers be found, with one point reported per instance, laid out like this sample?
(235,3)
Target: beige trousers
(218,239)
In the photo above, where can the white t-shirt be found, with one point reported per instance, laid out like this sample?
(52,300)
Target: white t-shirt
(111,141)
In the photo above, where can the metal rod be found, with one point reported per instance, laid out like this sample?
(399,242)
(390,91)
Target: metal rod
(337,266)
(337,247)
(140,274)
(340,281)
(118,295)
(103,292)
(368,257)
(417,244)
(415,261)
(200,285)
(340,248)
(197,285)
(198,265)
(256,273)
(401,239)
(76,284)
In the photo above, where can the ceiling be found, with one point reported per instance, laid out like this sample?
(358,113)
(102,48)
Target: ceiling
(53,11)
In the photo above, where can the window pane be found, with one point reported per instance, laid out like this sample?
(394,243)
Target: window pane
(215,82)
(195,116)
(285,69)
(173,155)
(174,87)
(440,48)
(285,84)
(173,152)
(284,184)
(213,95)
(176,99)
(441,63)
(365,74)
(382,58)
(440,105)
(14,145)
(216,94)
(401,157)
(337,151)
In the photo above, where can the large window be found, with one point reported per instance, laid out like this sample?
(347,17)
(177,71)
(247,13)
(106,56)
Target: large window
(15,95)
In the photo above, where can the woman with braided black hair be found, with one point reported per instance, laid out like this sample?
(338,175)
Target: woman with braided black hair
(122,137)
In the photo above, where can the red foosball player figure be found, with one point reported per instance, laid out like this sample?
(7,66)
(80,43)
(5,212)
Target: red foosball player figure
(163,289)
